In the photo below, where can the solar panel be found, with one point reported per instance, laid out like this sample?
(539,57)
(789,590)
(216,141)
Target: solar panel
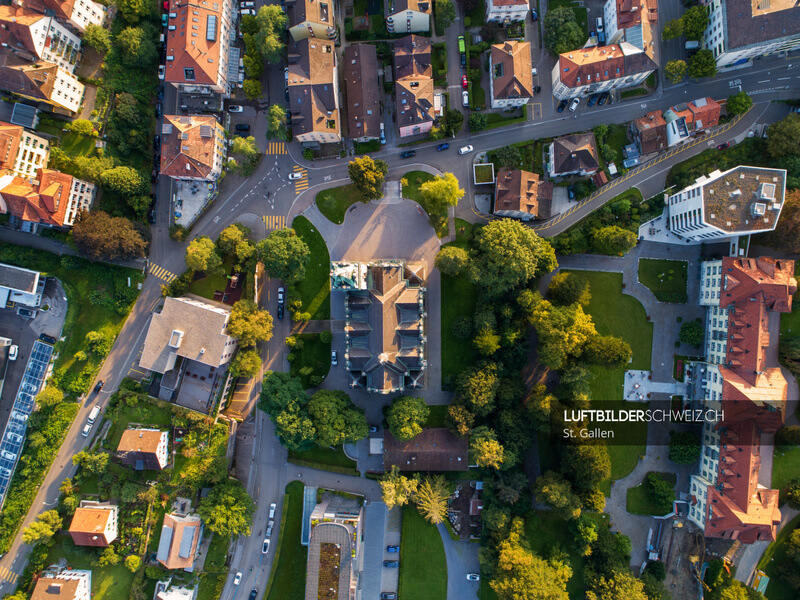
(164,543)
(186,541)
(211,28)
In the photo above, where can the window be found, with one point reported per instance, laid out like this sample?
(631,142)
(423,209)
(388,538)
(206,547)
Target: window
(188,74)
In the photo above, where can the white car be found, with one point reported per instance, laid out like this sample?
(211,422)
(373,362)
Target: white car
(162,71)
(465,149)
(473,577)
(235,108)
(265,547)
(238,578)
(248,11)
(86,430)
(574,105)
(534,72)
(272,510)
(286,74)
(270,525)
(599,23)
(13,351)
(465,98)
(293,176)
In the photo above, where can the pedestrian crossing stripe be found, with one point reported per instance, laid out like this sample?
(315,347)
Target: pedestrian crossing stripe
(274,221)
(299,168)
(162,273)
(299,186)
(8,575)
(277,148)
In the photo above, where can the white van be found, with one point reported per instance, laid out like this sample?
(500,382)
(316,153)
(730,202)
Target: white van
(599,23)
(93,414)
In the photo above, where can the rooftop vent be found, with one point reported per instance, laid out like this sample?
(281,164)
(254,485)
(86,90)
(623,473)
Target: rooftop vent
(175,339)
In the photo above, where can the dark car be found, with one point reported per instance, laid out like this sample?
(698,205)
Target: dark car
(592,100)
(280,311)
(99,386)
(571,192)
(373,428)
(253,594)
(388,596)
(243,127)
(287,95)
(442,147)
(534,15)
(602,99)
(160,94)
(159,110)
(151,216)
(463,61)
(723,145)
(392,549)
(392,564)
(408,154)
(537,89)
(157,142)
(561,106)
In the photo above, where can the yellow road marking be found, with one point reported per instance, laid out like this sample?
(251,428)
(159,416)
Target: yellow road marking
(274,221)
(277,148)
(162,273)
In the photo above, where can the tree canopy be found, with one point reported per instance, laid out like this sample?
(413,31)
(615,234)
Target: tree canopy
(738,103)
(452,260)
(613,240)
(691,333)
(568,288)
(695,21)
(101,236)
(336,419)
(484,448)
(783,137)
(684,447)
(397,489)
(97,37)
(445,13)
(441,191)
(249,323)
(431,498)
(562,330)
(368,176)
(228,509)
(276,122)
(406,416)
(672,30)
(285,255)
(283,398)
(201,255)
(561,31)
(702,64)
(555,491)
(271,21)
(675,70)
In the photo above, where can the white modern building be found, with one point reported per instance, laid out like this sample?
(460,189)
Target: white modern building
(41,36)
(506,11)
(740,201)
(20,286)
(76,13)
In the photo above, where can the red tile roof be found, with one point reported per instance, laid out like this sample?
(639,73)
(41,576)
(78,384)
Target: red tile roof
(45,202)
(600,63)
(10,138)
(188,145)
(190,47)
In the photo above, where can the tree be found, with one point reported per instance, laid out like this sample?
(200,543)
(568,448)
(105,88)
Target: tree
(608,351)
(506,255)
(440,192)
(122,180)
(96,463)
(452,260)
(100,236)
(522,575)
(99,342)
(702,64)
(672,30)
(788,435)
(132,563)
(271,22)
(406,417)
(562,330)
(368,176)
(586,465)
(45,526)
(233,241)
(454,118)
(684,447)
(109,557)
(691,333)
(695,21)
(784,136)
(561,31)
(738,103)
(276,122)
(622,586)
(484,448)
(787,231)
(252,89)
(459,419)
(246,363)
(396,489)
(431,498)
(659,490)
(556,492)
(444,12)
(793,493)
(228,509)
(613,240)
(336,419)
(285,255)
(249,323)
(508,157)
(201,255)
(97,37)
(477,387)
(478,121)
(134,10)
(568,288)
(82,127)
(49,396)
(247,147)
(486,341)
(675,70)
(136,46)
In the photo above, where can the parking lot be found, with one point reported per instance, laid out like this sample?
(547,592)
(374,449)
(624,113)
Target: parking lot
(382,528)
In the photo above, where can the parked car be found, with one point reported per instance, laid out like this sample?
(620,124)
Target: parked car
(573,107)
(237,579)
(151,216)
(334,358)
(592,100)
(603,98)
(534,72)
(464,82)
(599,23)
(465,98)
(442,147)
(392,549)
(534,15)
(723,145)
(86,429)
(293,176)
(463,60)
(462,44)
(265,546)
(571,192)
(13,352)
(243,127)
(272,511)
(465,149)
(164,18)
(280,311)
(373,428)
(98,388)
(159,110)
(235,108)
(253,594)
(286,74)
(247,11)
(166,5)
(473,577)
(162,71)
(383,133)
(388,596)
(392,564)
(160,93)
(408,154)
(561,106)
(537,89)
(592,34)
(270,525)
(246,4)
(286,94)
(601,38)
(281,295)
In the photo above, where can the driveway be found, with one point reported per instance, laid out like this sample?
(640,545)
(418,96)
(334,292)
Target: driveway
(462,558)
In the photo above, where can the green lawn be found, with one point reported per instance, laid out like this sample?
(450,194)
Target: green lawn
(287,581)
(785,466)
(75,144)
(144,413)
(334,202)
(436,416)
(366,147)
(324,457)
(639,500)
(315,354)
(411,191)
(477,94)
(665,278)
(617,138)
(423,568)
(214,569)
(500,120)
(773,556)
(315,289)
(790,322)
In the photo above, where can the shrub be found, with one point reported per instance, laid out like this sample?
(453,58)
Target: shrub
(325,337)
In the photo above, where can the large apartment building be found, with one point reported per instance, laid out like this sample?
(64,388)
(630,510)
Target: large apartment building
(632,21)
(21,151)
(740,30)
(41,36)
(53,199)
(598,69)
(314,92)
(413,85)
(75,13)
(311,18)
(407,16)
(199,42)
(192,147)
(741,377)
(42,82)
(740,201)
(510,75)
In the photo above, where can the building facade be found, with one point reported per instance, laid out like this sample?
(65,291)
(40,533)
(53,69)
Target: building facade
(40,81)
(62,583)
(144,449)
(77,14)
(94,524)
(42,36)
(510,75)
(407,16)
(631,21)
(21,151)
(193,147)
(506,11)
(312,18)
(314,92)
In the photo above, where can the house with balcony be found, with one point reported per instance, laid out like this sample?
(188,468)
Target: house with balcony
(193,147)
(659,130)
(40,37)
(510,74)
(77,14)
(311,19)
(363,92)
(314,92)
(21,151)
(633,22)
(408,16)
(142,449)
(94,524)
(506,11)
(48,84)
(414,101)
(179,544)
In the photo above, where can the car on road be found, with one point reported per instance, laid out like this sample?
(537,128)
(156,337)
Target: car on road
(280,311)
(592,100)
(388,596)
(599,23)
(603,98)
(243,127)
(537,89)
(465,149)
(373,428)
(286,94)
(334,358)
(235,108)
(253,594)
(561,106)
(272,510)
(462,44)
(281,295)
(465,98)
(237,579)
(162,71)
(86,429)
(294,176)
(265,546)
(392,549)
(383,132)
(99,386)
(574,105)
(160,93)
(408,154)
(473,577)
(159,110)
(534,72)
(442,147)
(13,352)
(464,82)
(463,60)
(392,564)
(534,15)
(151,216)
(270,525)
(723,145)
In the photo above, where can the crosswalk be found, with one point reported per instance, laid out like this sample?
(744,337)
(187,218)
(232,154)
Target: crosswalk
(277,148)
(274,221)
(301,184)
(7,575)
(162,273)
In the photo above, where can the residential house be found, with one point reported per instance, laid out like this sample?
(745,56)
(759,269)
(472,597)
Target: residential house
(510,75)
(312,18)
(739,201)
(587,71)
(94,524)
(53,199)
(166,591)
(62,583)
(41,82)
(407,16)
(40,37)
(201,55)
(20,286)
(384,324)
(742,380)
(144,449)
(649,132)
(181,532)
(76,13)
(414,105)
(314,92)
(192,147)
(656,131)
(363,92)
(574,154)
(522,195)
(740,30)
(435,449)
(21,151)
(632,21)
(506,11)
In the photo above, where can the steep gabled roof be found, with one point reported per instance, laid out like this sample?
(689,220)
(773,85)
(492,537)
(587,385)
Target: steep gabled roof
(511,69)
